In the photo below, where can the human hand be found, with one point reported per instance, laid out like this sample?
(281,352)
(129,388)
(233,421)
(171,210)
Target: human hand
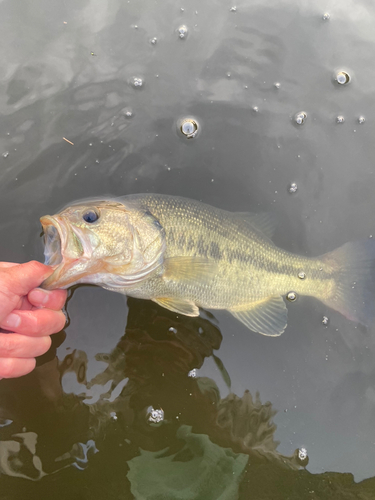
(28,316)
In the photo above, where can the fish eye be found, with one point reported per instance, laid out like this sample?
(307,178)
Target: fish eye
(90,216)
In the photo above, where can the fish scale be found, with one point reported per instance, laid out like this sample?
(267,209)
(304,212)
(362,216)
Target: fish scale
(250,267)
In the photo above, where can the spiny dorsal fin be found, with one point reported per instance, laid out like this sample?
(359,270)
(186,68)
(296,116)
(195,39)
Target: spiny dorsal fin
(178,305)
(189,269)
(264,222)
(268,317)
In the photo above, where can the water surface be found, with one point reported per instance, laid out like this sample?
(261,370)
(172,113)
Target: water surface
(75,427)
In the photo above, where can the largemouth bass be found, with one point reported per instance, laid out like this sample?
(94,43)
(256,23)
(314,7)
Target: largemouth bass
(184,255)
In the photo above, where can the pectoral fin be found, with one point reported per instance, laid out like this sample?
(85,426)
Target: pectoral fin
(178,305)
(268,317)
(189,269)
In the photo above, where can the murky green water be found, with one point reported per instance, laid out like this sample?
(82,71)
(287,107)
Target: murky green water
(133,401)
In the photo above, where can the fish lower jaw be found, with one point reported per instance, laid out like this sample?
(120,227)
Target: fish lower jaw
(64,274)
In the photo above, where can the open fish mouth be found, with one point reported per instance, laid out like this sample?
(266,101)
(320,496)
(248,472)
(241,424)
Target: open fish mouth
(55,242)
(68,251)
(52,246)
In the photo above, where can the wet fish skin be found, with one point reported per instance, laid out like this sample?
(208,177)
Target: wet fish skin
(207,257)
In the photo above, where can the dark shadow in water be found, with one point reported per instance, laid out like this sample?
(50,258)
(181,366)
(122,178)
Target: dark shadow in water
(157,431)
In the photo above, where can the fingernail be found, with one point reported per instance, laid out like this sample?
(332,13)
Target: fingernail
(12,321)
(39,295)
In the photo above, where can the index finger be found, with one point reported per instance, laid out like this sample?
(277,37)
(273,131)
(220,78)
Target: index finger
(51,299)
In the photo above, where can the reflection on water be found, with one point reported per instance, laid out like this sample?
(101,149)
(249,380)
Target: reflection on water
(170,434)
(241,72)
(200,469)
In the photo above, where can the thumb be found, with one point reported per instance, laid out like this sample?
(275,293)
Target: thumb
(24,277)
(16,281)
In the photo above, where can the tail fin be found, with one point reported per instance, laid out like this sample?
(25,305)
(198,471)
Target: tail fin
(353,267)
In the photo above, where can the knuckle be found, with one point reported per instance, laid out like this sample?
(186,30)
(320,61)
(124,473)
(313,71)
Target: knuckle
(10,345)
(34,323)
(6,295)
(7,367)
(36,266)
(6,344)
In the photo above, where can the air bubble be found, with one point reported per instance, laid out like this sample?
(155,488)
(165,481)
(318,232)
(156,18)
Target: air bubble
(291,296)
(325,320)
(302,275)
(302,456)
(343,78)
(155,416)
(189,127)
(300,117)
(228,74)
(340,119)
(361,119)
(182,31)
(326,16)
(137,82)
(6,154)
(292,187)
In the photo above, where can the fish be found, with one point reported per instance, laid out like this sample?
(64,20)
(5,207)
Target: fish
(186,255)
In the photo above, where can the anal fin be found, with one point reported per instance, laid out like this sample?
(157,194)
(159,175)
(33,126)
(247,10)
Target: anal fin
(268,317)
(178,305)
